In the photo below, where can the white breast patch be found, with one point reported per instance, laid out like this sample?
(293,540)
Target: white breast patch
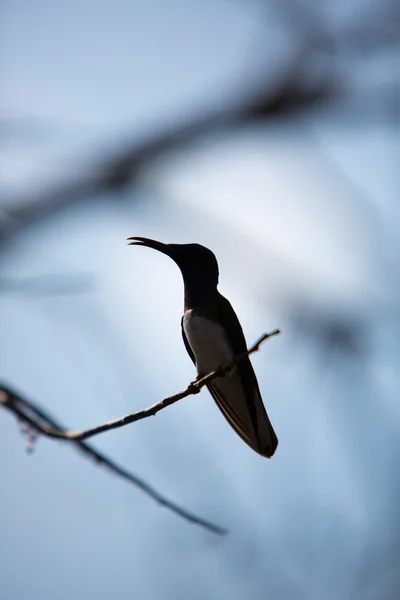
(208,342)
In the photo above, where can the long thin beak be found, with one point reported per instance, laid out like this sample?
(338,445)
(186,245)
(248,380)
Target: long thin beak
(141,241)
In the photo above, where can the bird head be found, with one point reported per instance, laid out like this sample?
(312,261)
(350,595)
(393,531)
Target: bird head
(196,262)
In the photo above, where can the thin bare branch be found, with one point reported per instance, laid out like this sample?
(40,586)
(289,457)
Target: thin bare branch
(33,415)
(40,421)
(45,428)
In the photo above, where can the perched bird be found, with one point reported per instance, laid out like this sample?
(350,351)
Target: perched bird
(213,337)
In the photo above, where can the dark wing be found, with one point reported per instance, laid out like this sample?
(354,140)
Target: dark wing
(238,396)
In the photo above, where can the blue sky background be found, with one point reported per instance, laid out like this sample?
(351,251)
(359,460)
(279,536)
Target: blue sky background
(303,216)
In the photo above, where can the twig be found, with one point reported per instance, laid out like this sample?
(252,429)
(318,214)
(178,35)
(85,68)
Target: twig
(193,388)
(32,414)
(40,421)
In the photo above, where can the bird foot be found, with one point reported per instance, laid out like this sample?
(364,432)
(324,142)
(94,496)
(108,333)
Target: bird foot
(193,387)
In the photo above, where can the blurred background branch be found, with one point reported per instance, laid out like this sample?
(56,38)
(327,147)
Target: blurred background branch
(269,132)
(303,84)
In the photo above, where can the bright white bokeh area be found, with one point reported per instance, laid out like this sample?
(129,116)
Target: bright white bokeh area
(302,213)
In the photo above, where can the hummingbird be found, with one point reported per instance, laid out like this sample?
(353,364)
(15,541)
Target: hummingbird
(213,337)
